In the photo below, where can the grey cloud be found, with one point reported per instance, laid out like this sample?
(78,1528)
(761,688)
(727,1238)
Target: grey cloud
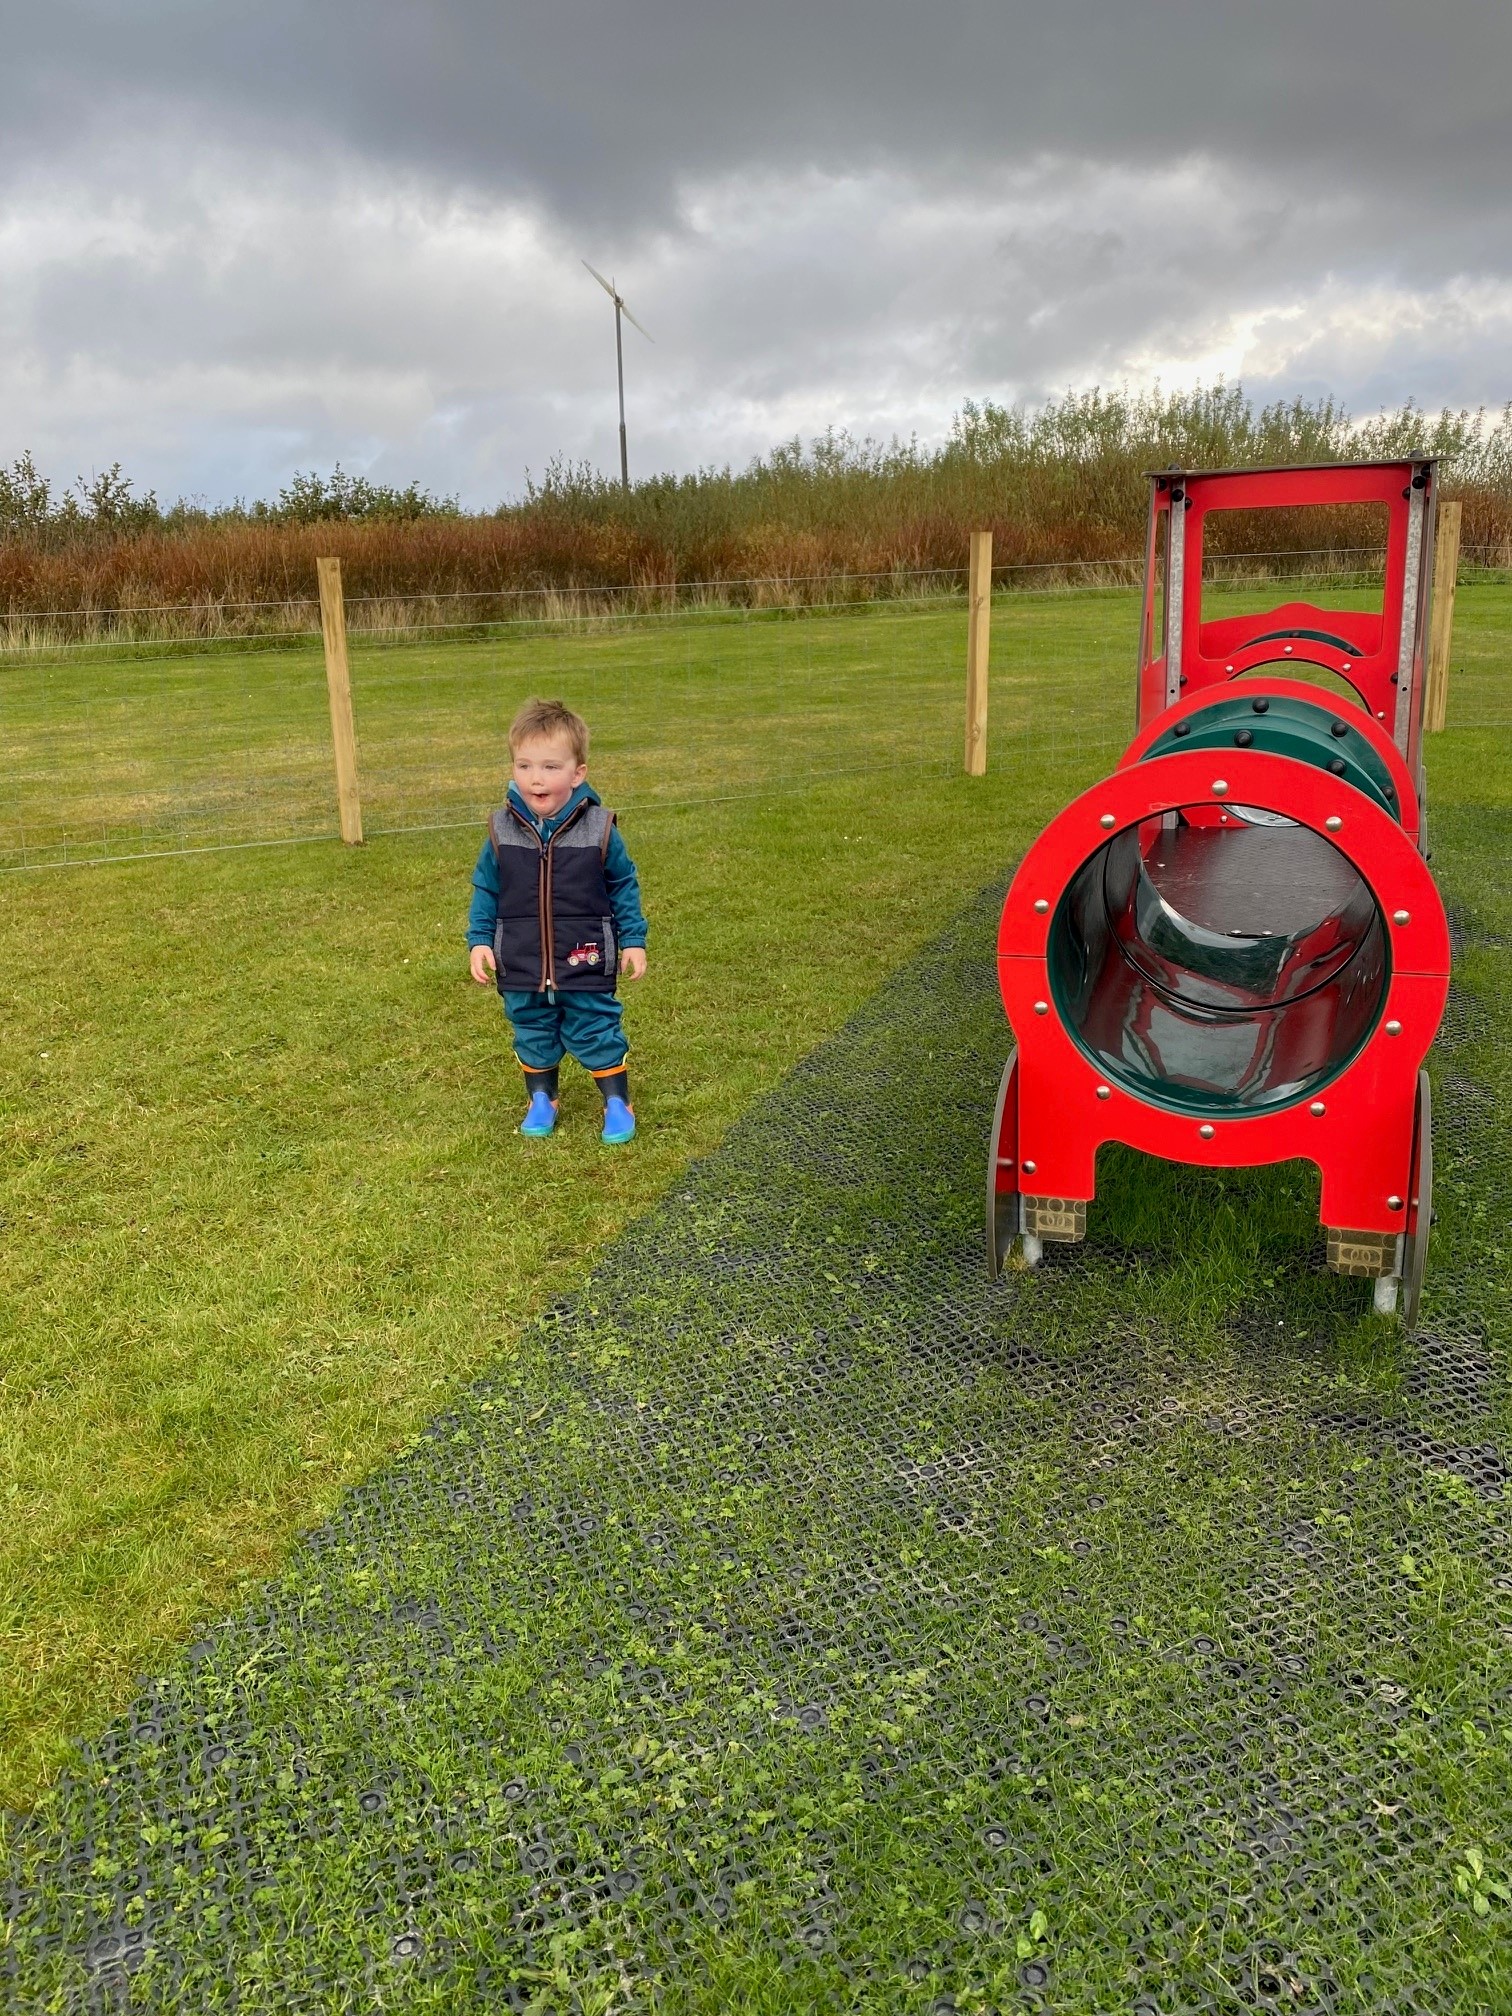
(242,240)
(604,111)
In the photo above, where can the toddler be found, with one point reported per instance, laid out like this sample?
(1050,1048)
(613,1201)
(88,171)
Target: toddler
(556,918)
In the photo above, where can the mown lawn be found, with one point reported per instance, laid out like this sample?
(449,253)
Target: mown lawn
(106,757)
(263,1209)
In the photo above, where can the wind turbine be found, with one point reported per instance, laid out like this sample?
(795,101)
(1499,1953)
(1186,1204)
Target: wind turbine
(619,358)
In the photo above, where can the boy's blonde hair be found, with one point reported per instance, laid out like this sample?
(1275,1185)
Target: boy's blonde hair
(549,717)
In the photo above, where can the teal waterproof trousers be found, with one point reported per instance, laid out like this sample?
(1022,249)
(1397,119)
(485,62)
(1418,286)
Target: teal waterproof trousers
(549,1026)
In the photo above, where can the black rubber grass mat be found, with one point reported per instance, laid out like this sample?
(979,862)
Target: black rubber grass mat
(797,1622)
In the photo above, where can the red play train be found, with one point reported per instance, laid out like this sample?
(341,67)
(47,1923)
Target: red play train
(1231,951)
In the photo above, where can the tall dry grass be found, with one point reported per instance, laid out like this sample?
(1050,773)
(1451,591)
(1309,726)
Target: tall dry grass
(1062,487)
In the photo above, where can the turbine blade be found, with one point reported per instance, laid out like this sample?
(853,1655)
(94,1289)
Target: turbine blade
(634,324)
(606,285)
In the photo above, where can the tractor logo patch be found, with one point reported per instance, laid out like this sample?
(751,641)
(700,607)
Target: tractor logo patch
(585,955)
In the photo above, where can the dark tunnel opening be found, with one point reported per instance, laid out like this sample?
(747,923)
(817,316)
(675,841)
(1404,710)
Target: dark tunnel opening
(1219,960)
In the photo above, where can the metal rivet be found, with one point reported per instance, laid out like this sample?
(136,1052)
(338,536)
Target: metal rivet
(1333,823)
(1287,649)
(1228,668)
(1220,785)
(1393,1203)
(1040,906)
(1317,1109)
(1206,1131)
(1243,738)
(1182,728)
(1029,1168)
(1260,706)
(1401,917)
(1393,1028)
(1337,765)
(1107,819)
(1105,1091)
(1338,728)
(1042,1007)
(1344,667)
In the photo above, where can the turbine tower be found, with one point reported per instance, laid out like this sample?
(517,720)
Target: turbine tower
(619,358)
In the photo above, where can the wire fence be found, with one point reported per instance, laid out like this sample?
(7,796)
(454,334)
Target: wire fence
(215,620)
(112,749)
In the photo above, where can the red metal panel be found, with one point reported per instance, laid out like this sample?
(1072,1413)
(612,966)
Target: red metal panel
(1364,648)
(1362,1141)
(1005,1143)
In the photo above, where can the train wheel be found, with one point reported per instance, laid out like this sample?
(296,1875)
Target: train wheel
(1004,1207)
(1420,1211)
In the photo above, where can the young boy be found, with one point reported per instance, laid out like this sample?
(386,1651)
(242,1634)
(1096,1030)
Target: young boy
(556,918)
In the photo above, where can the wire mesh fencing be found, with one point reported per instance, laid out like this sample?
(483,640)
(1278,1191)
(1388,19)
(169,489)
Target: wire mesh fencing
(116,745)
(154,748)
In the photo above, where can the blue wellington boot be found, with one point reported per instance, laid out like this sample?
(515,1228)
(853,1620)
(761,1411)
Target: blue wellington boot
(540,1115)
(619,1121)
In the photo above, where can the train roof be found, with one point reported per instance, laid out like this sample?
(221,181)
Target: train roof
(1414,461)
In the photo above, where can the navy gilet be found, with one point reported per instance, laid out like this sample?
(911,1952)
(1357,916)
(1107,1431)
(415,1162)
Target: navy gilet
(555,924)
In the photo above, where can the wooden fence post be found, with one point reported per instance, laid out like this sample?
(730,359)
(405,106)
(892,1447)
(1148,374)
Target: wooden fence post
(978,638)
(339,690)
(1441,622)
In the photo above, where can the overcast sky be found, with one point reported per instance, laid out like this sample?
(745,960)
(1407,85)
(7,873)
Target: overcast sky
(237,240)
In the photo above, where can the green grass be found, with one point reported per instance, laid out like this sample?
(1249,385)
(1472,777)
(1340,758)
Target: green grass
(262,1209)
(887,1630)
(109,756)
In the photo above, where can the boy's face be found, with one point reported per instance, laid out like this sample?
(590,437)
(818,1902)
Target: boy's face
(546,773)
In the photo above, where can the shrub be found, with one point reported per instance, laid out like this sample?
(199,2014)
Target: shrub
(1060,485)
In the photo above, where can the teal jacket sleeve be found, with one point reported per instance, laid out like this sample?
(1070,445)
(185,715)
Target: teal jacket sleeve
(485,898)
(624,892)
